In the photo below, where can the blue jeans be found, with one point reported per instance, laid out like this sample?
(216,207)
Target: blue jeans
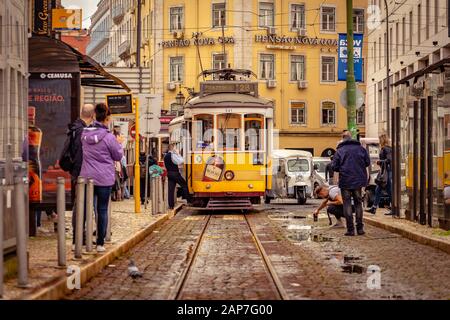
(379,190)
(101,200)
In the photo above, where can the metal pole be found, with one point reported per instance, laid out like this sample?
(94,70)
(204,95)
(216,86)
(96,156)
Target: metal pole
(415,160)
(1,238)
(430,160)
(21,234)
(351,83)
(89,213)
(146,181)
(137,168)
(398,162)
(160,196)
(423,158)
(394,165)
(61,210)
(108,226)
(153,194)
(388,77)
(79,224)
(166,193)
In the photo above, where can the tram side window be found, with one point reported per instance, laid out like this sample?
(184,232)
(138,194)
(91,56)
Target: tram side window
(229,132)
(203,126)
(253,132)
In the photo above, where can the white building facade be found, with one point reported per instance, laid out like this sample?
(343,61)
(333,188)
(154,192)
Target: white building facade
(418,37)
(99,47)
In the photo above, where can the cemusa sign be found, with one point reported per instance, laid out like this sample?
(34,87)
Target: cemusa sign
(56,76)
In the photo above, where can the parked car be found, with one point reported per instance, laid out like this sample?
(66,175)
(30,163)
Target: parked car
(293,176)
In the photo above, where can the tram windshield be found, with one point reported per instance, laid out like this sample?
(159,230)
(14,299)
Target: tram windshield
(298,165)
(203,135)
(254,132)
(229,132)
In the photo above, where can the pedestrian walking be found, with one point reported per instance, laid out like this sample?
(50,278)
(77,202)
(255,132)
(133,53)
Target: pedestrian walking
(351,161)
(333,201)
(71,159)
(329,173)
(172,160)
(385,164)
(100,151)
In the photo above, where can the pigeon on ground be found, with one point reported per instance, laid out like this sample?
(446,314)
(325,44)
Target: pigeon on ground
(133,271)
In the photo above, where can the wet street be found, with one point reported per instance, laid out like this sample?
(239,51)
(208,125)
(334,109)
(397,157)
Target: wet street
(275,252)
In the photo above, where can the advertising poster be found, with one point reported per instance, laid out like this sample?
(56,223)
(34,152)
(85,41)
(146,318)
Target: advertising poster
(357,56)
(49,113)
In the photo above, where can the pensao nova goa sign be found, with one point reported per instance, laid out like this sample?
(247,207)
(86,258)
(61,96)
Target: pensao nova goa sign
(274,40)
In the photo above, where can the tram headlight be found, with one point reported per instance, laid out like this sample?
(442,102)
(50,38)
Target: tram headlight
(250,186)
(229,175)
(208,186)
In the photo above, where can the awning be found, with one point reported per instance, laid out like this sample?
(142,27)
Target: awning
(440,64)
(48,54)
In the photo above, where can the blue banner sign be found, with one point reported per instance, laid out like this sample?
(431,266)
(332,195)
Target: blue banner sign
(357,56)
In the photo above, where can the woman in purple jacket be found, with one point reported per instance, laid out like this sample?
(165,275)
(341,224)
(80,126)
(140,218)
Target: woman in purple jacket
(100,150)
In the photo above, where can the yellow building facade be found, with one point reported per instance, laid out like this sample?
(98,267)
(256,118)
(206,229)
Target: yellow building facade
(290,45)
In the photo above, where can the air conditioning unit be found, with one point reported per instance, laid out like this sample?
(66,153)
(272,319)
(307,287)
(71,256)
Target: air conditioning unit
(271,84)
(171,86)
(302,84)
(301,32)
(271,31)
(178,34)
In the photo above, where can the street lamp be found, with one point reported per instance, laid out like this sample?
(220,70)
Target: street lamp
(180,99)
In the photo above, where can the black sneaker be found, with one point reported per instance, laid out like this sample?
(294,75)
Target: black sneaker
(349,233)
(361,232)
(371,210)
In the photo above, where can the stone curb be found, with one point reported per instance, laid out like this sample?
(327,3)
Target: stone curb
(58,288)
(414,236)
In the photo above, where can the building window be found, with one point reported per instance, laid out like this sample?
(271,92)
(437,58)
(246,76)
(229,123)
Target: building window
(419,23)
(298,112)
(360,117)
(297,68)
(328,69)
(176,19)
(298,17)
(218,14)
(219,61)
(328,113)
(328,17)
(427,21)
(267,67)
(266,14)
(403,34)
(176,69)
(410,30)
(358,20)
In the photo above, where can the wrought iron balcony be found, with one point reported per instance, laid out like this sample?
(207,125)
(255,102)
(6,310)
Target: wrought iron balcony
(118,13)
(124,49)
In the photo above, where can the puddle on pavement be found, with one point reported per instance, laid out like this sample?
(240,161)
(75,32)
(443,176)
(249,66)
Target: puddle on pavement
(286,217)
(352,268)
(348,259)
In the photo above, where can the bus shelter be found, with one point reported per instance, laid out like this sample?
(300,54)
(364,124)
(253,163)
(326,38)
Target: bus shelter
(422,134)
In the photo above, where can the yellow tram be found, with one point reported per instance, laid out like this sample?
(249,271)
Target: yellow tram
(225,137)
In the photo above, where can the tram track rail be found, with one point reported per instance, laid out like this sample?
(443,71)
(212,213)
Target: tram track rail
(272,276)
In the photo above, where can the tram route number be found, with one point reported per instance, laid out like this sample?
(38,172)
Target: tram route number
(226,310)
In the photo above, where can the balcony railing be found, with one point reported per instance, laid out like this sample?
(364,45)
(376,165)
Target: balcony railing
(118,13)
(124,49)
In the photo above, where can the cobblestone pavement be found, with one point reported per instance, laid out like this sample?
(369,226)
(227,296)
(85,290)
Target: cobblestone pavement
(311,260)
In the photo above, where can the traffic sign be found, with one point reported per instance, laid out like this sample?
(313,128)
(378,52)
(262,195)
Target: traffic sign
(360,98)
(150,112)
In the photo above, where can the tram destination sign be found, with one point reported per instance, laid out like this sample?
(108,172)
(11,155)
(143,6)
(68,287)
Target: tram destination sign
(233,87)
(120,103)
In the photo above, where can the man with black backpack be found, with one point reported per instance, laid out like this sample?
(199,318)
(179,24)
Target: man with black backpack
(72,156)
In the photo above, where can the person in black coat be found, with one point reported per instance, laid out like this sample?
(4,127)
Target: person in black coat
(351,161)
(76,149)
(329,173)
(385,163)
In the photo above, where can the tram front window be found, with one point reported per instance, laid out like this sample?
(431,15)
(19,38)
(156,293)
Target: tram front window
(253,132)
(203,126)
(229,132)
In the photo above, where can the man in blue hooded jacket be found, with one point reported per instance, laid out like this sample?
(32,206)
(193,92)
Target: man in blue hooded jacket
(351,161)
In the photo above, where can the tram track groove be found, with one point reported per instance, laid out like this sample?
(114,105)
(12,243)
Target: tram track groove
(268,264)
(185,274)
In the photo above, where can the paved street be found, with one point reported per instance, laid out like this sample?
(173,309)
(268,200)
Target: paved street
(201,256)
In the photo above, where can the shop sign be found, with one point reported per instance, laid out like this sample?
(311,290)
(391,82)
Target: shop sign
(41,17)
(295,40)
(196,42)
(66,19)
